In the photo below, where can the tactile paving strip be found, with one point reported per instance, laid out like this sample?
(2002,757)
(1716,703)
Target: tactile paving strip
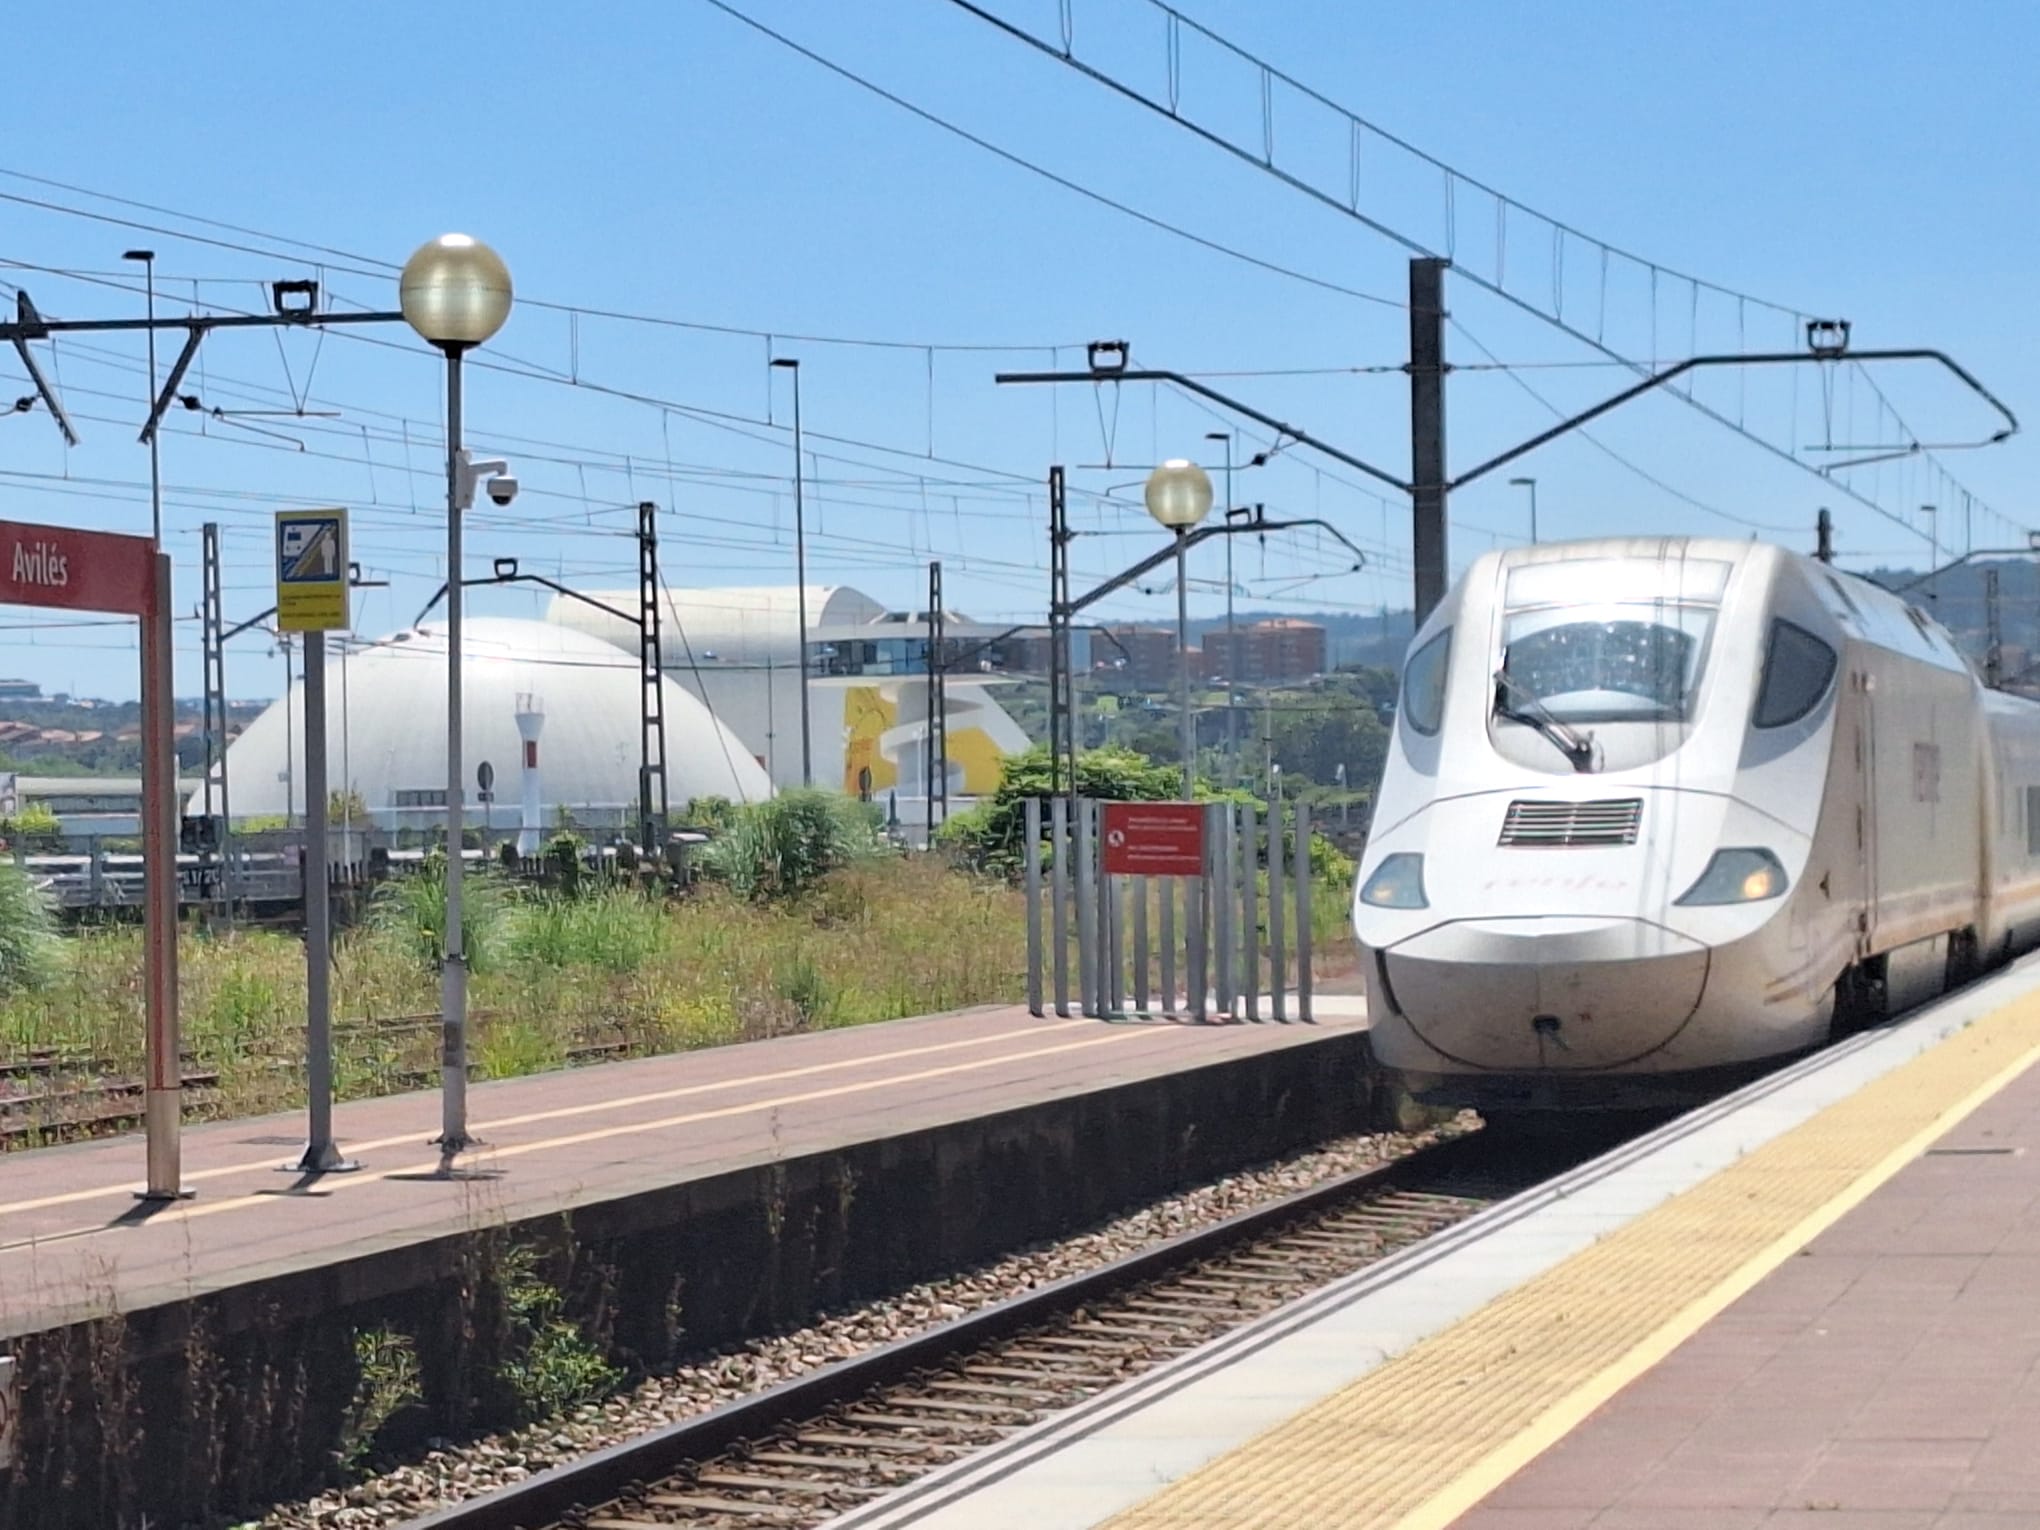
(1420,1440)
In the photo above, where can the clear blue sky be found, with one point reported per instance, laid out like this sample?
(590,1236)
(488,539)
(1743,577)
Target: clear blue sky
(1870,160)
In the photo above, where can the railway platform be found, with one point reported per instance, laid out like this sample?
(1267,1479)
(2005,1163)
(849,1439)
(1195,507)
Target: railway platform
(1809,1305)
(76,1244)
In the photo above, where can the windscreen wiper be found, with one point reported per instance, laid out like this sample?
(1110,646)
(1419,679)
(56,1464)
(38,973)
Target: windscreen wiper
(1577,747)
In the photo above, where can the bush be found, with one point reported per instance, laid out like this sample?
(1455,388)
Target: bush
(35,821)
(29,953)
(710,813)
(562,855)
(991,836)
(1328,863)
(785,846)
(412,910)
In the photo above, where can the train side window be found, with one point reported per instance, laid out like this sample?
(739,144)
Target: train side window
(1423,685)
(1797,669)
(2033,820)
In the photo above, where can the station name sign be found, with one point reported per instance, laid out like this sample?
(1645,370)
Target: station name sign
(75,570)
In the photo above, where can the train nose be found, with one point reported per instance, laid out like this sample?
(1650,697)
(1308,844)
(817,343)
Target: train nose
(1547,993)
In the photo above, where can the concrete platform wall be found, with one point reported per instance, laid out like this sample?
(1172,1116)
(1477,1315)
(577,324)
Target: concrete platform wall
(222,1403)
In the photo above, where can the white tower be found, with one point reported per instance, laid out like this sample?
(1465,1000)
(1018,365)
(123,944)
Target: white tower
(531,723)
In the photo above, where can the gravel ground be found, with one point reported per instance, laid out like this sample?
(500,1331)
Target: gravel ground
(455,1472)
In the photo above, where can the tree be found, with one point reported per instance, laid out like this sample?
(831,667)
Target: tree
(1314,734)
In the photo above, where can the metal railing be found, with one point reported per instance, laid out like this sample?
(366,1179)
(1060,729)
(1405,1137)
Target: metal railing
(1238,935)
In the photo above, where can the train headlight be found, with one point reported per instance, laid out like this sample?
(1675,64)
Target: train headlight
(1739,876)
(1398,882)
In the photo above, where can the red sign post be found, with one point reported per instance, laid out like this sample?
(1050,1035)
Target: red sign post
(56,566)
(1154,839)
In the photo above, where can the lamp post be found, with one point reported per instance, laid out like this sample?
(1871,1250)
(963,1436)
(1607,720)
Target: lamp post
(1232,641)
(148,261)
(455,292)
(1178,497)
(807,755)
(1531,485)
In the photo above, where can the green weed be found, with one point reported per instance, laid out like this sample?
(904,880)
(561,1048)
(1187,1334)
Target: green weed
(553,1366)
(387,1381)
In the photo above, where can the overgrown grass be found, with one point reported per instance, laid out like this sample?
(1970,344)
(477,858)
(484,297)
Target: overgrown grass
(617,930)
(28,947)
(613,972)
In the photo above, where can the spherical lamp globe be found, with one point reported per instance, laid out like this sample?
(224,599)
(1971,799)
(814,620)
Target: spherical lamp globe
(455,291)
(1178,494)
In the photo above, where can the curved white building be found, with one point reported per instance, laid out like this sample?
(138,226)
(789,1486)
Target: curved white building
(737,649)
(742,626)
(386,711)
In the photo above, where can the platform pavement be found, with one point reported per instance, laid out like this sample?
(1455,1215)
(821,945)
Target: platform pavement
(1810,1306)
(1886,1378)
(75,1244)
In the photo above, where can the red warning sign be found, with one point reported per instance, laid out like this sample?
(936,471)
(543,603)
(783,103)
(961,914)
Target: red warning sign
(1154,839)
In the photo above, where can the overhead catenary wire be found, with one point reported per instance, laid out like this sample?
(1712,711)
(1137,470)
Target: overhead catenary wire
(375,266)
(1180,232)
(1265,161)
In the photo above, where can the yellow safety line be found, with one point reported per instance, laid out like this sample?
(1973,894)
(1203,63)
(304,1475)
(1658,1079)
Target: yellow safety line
(481,1161)
(621,1102)
(1418,1441)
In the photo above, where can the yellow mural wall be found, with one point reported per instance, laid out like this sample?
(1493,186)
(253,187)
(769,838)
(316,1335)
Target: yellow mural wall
(871,711)
(867,714)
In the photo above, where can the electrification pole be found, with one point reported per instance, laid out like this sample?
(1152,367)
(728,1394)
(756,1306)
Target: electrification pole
(1427,431)
(807,752)
(938,710)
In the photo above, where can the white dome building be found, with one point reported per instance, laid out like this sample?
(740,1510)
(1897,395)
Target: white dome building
(386,732)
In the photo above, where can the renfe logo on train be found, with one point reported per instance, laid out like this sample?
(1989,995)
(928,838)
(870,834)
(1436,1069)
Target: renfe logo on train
(1154,839)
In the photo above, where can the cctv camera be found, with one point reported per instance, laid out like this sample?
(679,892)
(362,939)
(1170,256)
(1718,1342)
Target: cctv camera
(502,488)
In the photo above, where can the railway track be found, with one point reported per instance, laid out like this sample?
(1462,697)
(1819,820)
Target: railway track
(810,1449)
(47,1099)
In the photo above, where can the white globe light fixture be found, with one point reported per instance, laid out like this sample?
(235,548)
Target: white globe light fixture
(455,292)
(1179,494)
(1178,497)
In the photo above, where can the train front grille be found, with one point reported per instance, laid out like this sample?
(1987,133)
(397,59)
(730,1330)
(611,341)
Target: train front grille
(1546,824)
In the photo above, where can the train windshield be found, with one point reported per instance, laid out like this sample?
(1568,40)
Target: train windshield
(1608,663)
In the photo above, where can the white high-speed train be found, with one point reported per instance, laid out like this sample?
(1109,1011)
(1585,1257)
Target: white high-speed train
(1660,811)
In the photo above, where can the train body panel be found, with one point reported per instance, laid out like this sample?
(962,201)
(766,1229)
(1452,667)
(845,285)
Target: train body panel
(1655,806)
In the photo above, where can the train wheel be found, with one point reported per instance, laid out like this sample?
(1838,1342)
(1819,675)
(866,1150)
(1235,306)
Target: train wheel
(1859,999)
(1963,958)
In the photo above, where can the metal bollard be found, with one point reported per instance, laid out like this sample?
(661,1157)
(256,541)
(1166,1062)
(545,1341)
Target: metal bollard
(1081,874)
(1278,958)
(1031,818)
(1222,884)
(1303,890)
(1168,944)
(1140,944)
(1250,906)
(1059,897)
(1115,919)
